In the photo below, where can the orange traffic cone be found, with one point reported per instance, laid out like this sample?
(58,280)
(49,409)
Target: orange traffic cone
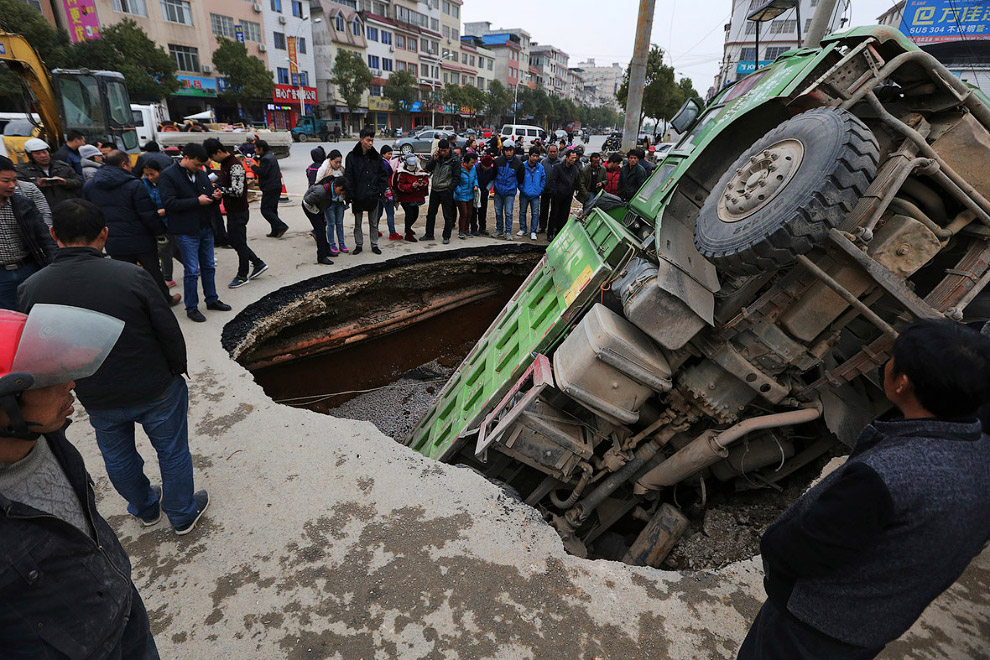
(284,197)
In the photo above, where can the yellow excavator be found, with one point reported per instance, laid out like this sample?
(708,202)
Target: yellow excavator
(96,103)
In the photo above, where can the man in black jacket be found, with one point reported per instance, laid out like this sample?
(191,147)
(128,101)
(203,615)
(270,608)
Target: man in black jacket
(270,182)
(141,379)
(550,161)
(131,216)
(188,198)
(854,562)
(592,179)
(561,183)
(445,176)
(65,580)
(632,176)
(68,153)
(57,180)
(25,244)
(364,172)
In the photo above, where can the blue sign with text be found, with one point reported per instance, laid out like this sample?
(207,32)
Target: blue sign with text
(935,21)
(747,66)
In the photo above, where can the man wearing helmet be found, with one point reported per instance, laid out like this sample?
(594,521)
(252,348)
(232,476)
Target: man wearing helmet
(57,180)
(65,580)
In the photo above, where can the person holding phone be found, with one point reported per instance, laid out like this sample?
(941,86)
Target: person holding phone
(57,180)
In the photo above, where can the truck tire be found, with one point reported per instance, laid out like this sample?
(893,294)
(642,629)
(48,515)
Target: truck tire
(303,137)
(780,198)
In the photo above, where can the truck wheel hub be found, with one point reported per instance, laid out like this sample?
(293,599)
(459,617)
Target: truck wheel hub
(760,180)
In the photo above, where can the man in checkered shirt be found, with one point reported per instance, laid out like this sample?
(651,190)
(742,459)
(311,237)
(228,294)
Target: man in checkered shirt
(25,243)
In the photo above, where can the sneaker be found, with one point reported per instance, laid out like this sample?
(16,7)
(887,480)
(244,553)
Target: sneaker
(218,306)
(521,232)
(325,261)
(508,237)
(334,251)
(375,249)
(148,521)
(395,236)
(446,241)
(343,248)
(258,269)
(428,237)
(379,234)
(498,234)
(484,232)
(202,499)
(357,250)
(170,283)
(195,315)
(237,282)
(411,237)
(476,233)
(533,235)
(462,236)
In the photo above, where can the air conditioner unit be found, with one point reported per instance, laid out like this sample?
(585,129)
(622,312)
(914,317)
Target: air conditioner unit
(262,48)
(391,49)
(207,68)
(378,73)
(281,20)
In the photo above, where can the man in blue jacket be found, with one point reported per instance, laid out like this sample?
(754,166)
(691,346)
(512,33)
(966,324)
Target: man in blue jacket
(534,181)
(188,198)
(131,216)
(508,178)
(854,562)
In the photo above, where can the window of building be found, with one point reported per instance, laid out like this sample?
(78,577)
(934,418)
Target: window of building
(412,70)
(454,34)
(455,78)
(304,78)
(386,64)
(412,45)
(252,30)
(373,62)
(386,38)
(446,31)
(356,27)
(490,64)
(747,54)
(400,41)
(463,58)
(807,24)
(177,11)
(276,5)
(400,65)
(340,23)
(446,7)
(783,27)
(297,9)
(375,90)
(472,60)
(136,7)
(434,25)
(446,78)
(283,75)
(222,26)
(186,57)
(301,44)
(773,52)
(371,33)
(279,40)
(455,11)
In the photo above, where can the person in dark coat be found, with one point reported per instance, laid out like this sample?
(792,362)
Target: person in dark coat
(152,152)
(854,562)
(550,161)
(141,379)
(66,579)
(270,182)
(336,132)
(364,171)
(486,181)
(632,176)
(592,179)
(188,198)
(131,215)
(58,181)
(69,152)
(561,183)
(318,220)
(25,244)
(444,169)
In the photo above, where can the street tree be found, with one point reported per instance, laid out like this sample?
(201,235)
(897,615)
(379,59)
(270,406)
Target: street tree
(247,77)
(352,77)
(149,71)
(473,98)
(662,94)
(451,94)
(401,89)
(497,101)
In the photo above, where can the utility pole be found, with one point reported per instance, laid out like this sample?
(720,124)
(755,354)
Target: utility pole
(637,74)
(820,22)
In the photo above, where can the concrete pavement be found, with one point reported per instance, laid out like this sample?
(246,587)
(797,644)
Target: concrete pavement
(326,539)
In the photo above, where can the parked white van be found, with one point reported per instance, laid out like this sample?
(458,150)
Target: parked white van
(529,133)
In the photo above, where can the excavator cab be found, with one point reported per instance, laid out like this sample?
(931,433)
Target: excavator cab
(96,104)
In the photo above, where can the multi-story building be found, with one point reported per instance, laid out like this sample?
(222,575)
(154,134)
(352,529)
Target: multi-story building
(605,80)
(340,27)
(550,65)
(511,49)
(381,55)
(289,44)
(775,37)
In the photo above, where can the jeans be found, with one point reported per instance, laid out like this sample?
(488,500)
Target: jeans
(335,224)
(196,255)
(443,200)
(269,210)
(149,262)
(532,203)
(237,233)
(11,279)
(373,216)
(164,421)
(503,205)
(388,206)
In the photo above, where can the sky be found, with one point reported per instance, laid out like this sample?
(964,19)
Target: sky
(690,31)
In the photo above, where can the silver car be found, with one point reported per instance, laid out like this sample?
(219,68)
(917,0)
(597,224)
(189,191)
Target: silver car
(419,143)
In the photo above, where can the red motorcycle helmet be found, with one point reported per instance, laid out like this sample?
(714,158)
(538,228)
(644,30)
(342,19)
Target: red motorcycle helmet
(52,344)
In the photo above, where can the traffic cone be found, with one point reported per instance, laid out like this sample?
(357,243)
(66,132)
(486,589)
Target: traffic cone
(284,197)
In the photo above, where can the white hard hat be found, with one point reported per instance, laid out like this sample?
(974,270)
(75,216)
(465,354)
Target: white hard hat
(508,144)
(36,144)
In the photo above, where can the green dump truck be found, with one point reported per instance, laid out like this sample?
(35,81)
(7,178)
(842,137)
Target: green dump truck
(724,328)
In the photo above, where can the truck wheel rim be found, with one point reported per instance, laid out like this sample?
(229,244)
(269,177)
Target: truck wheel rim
(760,180)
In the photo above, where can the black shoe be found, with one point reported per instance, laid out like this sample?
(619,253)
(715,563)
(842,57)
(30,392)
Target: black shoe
(270,234)
(280,233)
(376,249)
(218,306)
(258,269)
(195,315)
(325,261)
(152,519)
(428,237)
(357,249)
(446,241)
(202,499)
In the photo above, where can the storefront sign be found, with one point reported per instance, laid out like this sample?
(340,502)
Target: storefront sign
(82,21)
(287,108)
(746,67)
(290,93)
(196,86)
(293,69)
(379,104)
(934,21)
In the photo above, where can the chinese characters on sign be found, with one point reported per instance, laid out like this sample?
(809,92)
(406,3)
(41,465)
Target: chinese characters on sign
(239,33)
(288,93)
(82,21)
(934,21)
(293,69)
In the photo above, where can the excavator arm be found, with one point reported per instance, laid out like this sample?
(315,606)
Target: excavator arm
(23,60)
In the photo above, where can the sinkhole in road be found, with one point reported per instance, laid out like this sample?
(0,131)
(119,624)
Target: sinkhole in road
(377,341)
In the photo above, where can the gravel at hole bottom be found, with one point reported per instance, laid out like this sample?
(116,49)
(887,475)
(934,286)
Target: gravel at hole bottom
(396,408)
